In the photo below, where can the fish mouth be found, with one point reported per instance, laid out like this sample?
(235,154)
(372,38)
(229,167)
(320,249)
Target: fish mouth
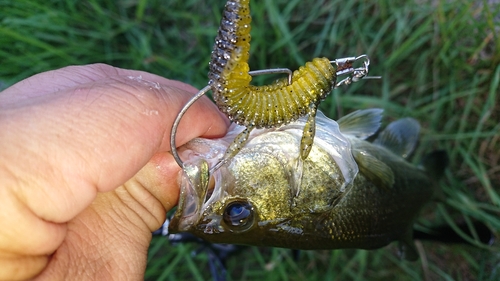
(195,181)
(198,189)
(197,185)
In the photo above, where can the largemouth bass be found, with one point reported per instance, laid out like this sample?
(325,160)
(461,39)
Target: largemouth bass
(349,192)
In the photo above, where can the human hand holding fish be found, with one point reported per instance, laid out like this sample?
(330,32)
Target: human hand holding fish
(85,170)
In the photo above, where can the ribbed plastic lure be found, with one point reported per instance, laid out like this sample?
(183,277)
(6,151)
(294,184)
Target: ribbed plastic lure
(271,105)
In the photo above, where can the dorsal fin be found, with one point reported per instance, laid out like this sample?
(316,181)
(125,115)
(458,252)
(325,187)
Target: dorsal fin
(361,123)
(400,136)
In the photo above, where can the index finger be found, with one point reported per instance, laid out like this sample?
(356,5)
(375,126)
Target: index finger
(93,137)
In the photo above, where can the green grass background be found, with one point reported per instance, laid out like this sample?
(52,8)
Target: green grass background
(440,63)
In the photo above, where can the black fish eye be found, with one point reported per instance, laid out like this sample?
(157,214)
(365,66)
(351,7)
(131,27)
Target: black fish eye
(239,214)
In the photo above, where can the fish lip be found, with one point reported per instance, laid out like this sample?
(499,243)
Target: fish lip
(190,202)
(191,197)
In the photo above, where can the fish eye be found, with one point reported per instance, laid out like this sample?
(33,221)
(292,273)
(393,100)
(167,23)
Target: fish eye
(239,214)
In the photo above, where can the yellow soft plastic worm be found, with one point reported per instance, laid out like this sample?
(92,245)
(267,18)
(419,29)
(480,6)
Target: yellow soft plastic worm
(271,105)
(260,106)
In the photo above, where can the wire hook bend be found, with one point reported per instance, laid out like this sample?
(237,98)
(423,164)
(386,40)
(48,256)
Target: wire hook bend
(173,132)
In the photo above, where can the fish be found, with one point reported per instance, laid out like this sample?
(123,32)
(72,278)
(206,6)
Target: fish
(356,189)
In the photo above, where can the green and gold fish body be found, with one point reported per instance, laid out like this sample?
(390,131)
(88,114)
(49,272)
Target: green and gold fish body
(349,193)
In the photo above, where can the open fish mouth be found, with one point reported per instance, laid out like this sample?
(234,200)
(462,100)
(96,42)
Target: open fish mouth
(196,184)
(190,200)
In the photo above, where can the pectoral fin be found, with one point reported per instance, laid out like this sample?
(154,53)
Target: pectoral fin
(375,170)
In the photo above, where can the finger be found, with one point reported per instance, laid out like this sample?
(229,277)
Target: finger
(107,241)
(93,138)
(72,76)
(160,177)
(63,148)
(138,208)
(21,267)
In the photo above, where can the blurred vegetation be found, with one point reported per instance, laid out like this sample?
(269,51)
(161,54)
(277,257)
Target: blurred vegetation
(440,63)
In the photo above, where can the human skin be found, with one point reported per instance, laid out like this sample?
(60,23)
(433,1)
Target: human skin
(85,170)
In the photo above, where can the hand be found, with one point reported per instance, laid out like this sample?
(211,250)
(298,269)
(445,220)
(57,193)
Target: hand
(85,172)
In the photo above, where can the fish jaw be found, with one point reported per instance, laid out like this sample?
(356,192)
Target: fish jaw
(200,154)
(190,198)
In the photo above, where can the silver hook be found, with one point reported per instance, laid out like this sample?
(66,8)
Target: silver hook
(344,65)
(173,132)
(273,71)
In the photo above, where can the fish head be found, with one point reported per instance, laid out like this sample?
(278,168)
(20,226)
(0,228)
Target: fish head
(246,195)
(259,190)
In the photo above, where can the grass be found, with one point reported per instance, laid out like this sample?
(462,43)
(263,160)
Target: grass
(440,63)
